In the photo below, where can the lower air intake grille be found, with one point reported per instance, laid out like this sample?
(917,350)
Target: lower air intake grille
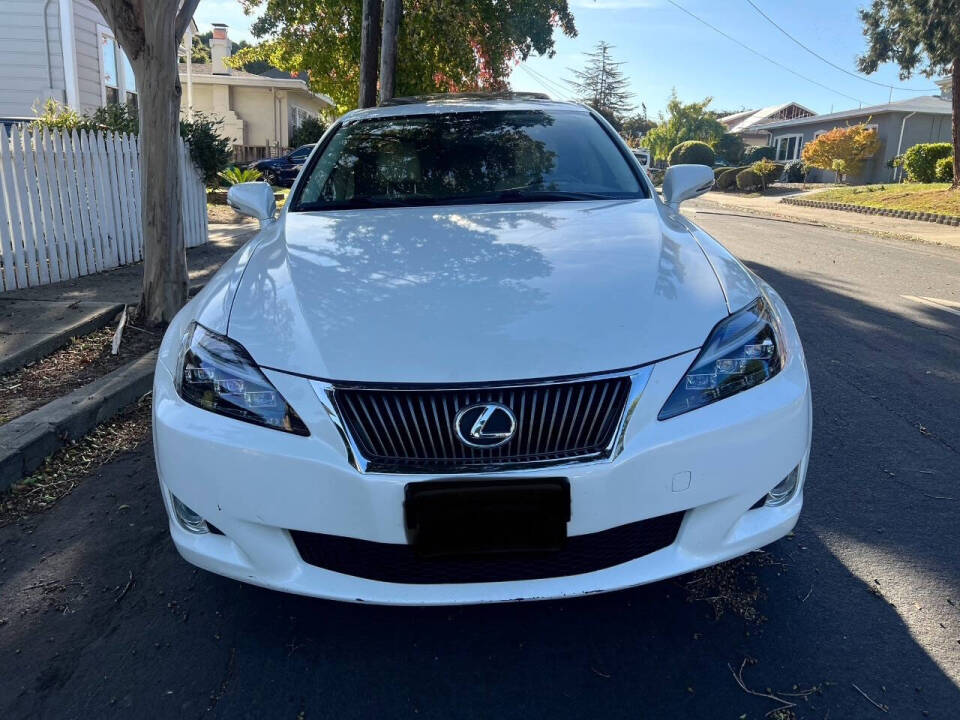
(400,563)
(406,430)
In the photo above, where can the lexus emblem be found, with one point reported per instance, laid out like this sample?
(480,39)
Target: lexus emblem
(486,425)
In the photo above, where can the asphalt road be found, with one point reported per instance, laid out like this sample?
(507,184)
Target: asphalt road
(862,603)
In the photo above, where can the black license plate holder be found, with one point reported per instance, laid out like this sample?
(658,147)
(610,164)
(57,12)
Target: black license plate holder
(451,518)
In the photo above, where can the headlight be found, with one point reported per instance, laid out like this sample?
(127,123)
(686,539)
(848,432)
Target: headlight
(743,350)
(218,375)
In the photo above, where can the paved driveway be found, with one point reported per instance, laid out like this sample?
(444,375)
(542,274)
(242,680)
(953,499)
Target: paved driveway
(860,605)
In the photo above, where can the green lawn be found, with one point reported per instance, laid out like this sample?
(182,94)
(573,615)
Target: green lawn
(919,197)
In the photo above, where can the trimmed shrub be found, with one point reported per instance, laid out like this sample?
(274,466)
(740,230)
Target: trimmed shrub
(692,152)
(310,131)
(944,171)
(920,161)
(767,170)
(759,153)
(795,171)
(718,171)
(728,178)
(748,180)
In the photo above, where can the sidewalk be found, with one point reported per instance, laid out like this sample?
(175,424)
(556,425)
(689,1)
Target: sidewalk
(35,321)
(771,206)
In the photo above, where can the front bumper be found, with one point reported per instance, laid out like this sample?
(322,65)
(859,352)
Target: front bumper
(256,485)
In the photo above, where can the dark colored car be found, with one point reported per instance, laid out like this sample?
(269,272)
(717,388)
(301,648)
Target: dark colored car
(283,170)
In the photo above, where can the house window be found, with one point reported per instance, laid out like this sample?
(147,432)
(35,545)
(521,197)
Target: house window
(117,82)
(299,115)
(788,147)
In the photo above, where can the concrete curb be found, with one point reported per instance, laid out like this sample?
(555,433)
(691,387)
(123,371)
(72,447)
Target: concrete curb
(56,340)
(26,441)
(905,214)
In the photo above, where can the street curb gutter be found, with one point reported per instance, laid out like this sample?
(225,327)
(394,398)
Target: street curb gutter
(26,441)
(56,340)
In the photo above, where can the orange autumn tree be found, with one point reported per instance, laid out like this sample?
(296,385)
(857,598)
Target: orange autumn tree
(852,146)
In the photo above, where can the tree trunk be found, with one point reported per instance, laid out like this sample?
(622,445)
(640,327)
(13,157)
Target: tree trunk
(388,49)
(164,253)
(149,32)
(956,123)
(369,53)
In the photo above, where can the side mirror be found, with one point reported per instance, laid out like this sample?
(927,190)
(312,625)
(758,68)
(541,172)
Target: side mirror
(683,182)
(253,199)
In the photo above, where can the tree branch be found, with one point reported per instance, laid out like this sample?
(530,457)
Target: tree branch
(184,17)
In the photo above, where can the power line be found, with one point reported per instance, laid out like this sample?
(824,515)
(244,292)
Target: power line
(832,64)
(551,86)
(759,54)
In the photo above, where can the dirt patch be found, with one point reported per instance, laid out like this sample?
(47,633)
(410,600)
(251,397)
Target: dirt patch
(85,359)
(222,214)
(66,468)
(733,586)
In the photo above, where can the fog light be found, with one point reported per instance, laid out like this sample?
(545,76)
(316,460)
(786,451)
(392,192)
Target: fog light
(785,489)
(187,517)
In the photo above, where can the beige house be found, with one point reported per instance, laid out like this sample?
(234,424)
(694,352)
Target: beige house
(259,112)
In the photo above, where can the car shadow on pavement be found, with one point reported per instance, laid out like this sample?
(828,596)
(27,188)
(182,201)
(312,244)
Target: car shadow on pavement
(99,616)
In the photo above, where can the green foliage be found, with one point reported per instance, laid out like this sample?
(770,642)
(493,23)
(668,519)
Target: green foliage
(310,131)
(748,180)
(839,166)
(728,178)
(602,85)
(796,171)
(692,152)
(718,171)
(200,49)
(945,169)
(767,170)
(920,161)
(730,148)
(235,176)
(759,153)
(682,122)
(656,176)
(442,46)
(210,151)
(636,126)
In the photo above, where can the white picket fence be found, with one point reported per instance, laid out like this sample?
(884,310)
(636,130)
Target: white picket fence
(70,204)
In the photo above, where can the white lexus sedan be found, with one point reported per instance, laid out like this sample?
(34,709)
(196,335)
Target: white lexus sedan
(477,358)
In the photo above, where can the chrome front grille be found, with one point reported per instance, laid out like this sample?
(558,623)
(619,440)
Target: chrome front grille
(413,429)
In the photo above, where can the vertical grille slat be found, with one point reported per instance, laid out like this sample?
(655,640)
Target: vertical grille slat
(412,429)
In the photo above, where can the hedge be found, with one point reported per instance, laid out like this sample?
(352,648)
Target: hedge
(920,161)
(944,171)
(748,180)
(728,178)
(759,153)
(796,171)
(692,152)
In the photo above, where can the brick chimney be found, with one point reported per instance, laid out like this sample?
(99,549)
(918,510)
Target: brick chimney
(220,50)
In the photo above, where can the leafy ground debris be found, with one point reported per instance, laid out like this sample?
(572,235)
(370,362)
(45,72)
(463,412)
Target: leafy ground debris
(84,360)
(66,468)
(732,586)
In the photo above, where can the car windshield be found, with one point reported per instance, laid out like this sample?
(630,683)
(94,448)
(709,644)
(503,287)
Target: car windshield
(468,157)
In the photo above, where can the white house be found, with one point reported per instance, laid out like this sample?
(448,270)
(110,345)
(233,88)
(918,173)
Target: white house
(60,49)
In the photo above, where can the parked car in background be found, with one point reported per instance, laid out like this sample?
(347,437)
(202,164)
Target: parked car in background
(643,155)
(283,170)
(478,359)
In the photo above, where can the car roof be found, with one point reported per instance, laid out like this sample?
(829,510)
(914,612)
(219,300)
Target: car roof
(464,102)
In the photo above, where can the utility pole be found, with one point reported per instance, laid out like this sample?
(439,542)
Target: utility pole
(388,49)
(369,51)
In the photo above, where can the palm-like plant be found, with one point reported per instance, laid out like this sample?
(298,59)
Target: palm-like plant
(235,175)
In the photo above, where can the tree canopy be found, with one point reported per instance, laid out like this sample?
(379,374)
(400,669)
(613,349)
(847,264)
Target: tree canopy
(683,122)
(918,35)
(442,46)
(842,149)
(602,85)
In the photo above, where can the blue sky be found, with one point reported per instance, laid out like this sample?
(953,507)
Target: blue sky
(664,48)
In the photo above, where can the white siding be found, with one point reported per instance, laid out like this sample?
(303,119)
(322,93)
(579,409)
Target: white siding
(86,18)
(23,55)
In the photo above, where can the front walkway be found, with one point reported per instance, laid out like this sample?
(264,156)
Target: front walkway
(770,205)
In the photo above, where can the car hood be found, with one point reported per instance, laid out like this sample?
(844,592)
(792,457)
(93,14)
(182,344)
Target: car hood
(479,293)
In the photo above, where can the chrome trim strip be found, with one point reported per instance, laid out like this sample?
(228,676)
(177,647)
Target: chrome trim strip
(639,378)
